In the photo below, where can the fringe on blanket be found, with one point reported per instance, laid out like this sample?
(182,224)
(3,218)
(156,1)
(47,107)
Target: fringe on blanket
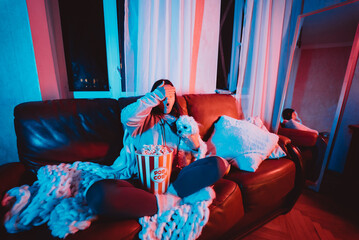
(58,199)
(184,221)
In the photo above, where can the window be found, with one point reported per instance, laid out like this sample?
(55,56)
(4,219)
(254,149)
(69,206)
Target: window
(83,31)
(120,21)
(232,13)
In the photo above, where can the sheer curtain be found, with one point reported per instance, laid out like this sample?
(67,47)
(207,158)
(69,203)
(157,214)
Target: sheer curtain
(265,34)
(177,40)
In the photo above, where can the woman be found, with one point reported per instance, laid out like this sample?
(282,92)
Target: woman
(151,120)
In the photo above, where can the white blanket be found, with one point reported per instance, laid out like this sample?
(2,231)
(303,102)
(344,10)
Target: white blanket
(183,221)
(58,199)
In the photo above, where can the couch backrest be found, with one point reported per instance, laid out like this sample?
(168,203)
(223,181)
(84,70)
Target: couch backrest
(298,137)
(207,108)
(68,130)
(56,131)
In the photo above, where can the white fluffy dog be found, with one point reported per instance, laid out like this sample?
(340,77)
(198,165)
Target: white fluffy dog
(191,142)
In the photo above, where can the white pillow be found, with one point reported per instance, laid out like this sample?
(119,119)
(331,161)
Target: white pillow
(242,143)
(277,151)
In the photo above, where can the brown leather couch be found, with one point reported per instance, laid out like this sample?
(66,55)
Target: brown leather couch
(52,132)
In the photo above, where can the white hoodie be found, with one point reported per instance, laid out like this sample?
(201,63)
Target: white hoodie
(143,128)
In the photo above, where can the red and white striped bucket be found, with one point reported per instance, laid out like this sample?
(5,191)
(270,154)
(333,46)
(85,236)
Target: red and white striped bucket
(155,171)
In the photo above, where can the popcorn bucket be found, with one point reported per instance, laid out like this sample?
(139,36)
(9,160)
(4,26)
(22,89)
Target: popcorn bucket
(155,171)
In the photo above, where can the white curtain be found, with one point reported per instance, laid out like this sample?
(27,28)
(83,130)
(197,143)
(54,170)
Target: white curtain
(176,40)
(265,28)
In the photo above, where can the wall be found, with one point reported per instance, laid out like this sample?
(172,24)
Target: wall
(18,75)
(350,116)
(312,5)
(317,88)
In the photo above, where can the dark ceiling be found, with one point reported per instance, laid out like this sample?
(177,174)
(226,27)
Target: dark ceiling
(336,26)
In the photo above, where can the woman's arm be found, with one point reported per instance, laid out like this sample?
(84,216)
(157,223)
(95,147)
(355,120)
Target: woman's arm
(134,115)
(296,125)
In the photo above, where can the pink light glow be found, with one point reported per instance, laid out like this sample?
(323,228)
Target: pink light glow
(196,41)
(48,49)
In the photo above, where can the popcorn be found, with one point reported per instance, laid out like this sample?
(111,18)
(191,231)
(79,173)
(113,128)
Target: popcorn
(154,150)
(154,164)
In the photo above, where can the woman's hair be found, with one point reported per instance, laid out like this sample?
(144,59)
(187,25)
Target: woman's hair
(176,109)
(287,113)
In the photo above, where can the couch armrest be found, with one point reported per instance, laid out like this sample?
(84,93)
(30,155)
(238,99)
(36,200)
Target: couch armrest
(295,155)
(299,137)
(292,151)
(283,140)
(13,175)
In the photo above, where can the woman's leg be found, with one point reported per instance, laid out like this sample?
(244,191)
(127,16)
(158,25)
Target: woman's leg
(199,174)
(120,199)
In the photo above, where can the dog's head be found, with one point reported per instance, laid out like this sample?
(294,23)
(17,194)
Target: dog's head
(186,126)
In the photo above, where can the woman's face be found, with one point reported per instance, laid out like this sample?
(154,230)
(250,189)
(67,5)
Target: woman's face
(295,117)
(167,103)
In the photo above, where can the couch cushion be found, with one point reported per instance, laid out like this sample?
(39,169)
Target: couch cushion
(207,108)
(40,232)
(101,229)
(109,230)
(272,181)
(226,209)
(68,130)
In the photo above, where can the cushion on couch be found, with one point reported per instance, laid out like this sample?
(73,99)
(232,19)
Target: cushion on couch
(271,182)
(242,143)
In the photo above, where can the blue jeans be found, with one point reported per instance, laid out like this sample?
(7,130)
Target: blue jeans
(122,200)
